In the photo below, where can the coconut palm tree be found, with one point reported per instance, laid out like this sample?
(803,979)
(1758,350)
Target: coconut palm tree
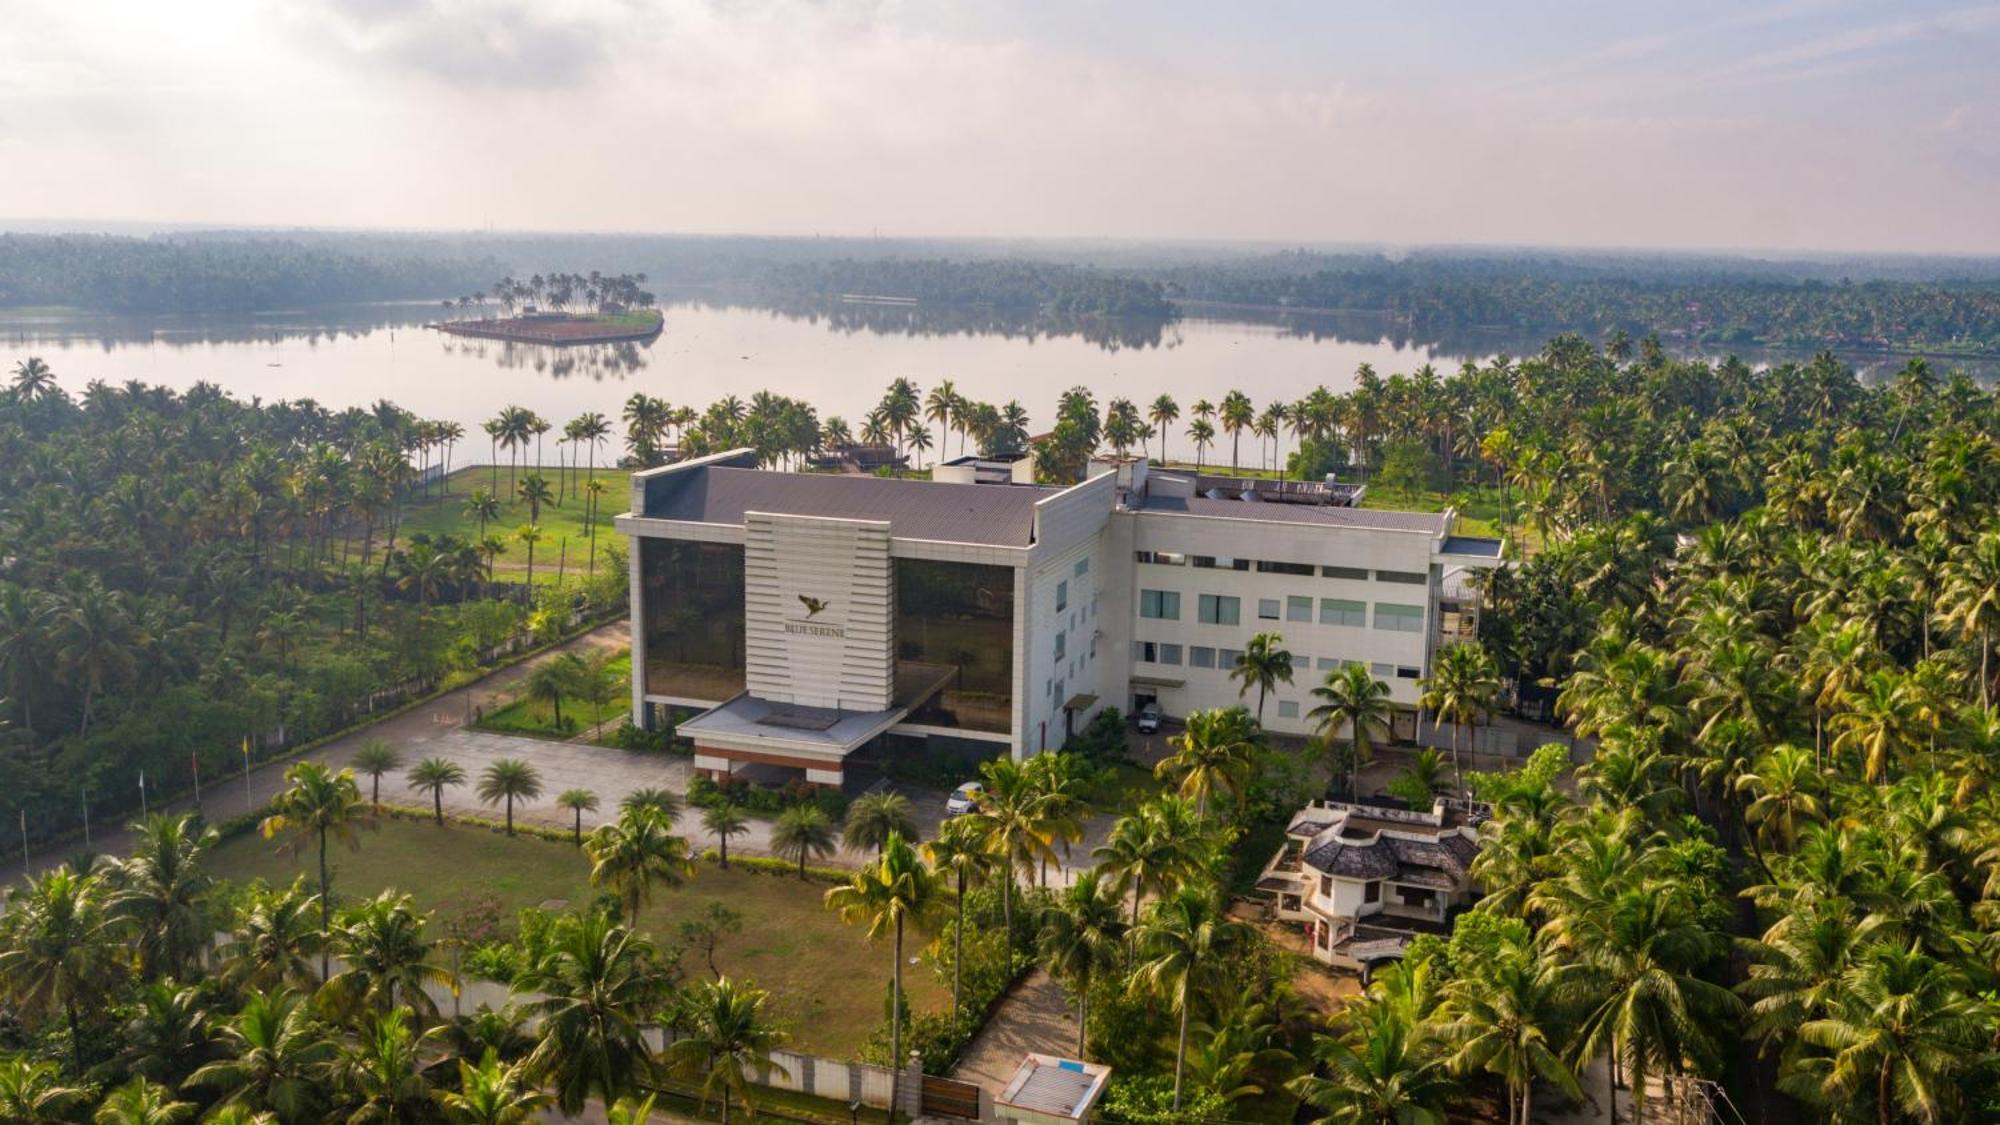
(632,853)
(274,940)
(600,984)
(1080,939)
(1504,1019)
(1184,948)
(315,806)
(161,892)
(1377,1072)
(1213,754)
(578,802)
(387,961)
(1463,687)
(529,534)
(961,851)
(1202,434)
(1784,796)
(1971,601)
(1263,664)
(32,1093)
(509,780)
(140,1102)
(59,953)
(723,821)
(1237,415)
(804,833)
(890,895)
(1162,845)
(1163,413)
(380,1075)
(375,758)
(725,1039)
(536,491)
(1904,1037)
(434,776)
(666,801)
(1015,829)
(1354,700)
(493,1093)
(873,819)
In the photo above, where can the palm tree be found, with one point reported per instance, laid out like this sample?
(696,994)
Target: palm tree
(529,534)
(1237,415)
(380,1074)
(1905,1035)
(1971,601)
(804,833)
(140,1102)
(1463,687)
(1213,754)
(962,850)
(375,758)
(1504,1019)
(1202,434)
(552,679)
(435,775)
(577,801)
(653,797)
(1354,700)
(1164,412)
(536,491)
(600,984)
(1080,939)
(509,780)
(317,804)
(274,940)
(58,954)
(31,1093)
(724,1039)
(1184,947)
(893,892)
(387,961)
(874,819)
(1377,1073)
(1017,833)
(723,821)
(630,854)
(33,381)
(161,892)
(1154,850)
(273,1055)
(1263,664)
(1783,792)
(493,1093)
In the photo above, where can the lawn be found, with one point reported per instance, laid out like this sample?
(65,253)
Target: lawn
(1478,505)
(564,531)
(536,718)
(827,981)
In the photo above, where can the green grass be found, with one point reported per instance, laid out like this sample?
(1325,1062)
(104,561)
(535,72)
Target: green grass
(826,980)
(446,515)
(536,718)
(1128,786)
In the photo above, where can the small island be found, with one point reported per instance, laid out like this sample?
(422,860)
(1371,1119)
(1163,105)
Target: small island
(561,308)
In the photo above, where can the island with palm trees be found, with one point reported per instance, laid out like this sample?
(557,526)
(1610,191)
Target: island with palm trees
(561,309)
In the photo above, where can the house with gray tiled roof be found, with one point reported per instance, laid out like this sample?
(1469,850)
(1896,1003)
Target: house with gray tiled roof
(1363,878)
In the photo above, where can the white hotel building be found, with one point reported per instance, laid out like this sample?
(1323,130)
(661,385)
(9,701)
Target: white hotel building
(794,618)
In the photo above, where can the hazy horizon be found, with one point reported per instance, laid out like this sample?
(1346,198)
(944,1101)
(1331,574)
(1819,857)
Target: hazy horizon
(1795,127)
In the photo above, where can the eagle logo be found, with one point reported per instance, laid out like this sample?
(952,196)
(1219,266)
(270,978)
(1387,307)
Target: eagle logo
(813,605)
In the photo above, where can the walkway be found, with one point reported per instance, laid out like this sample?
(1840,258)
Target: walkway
(1037,1016)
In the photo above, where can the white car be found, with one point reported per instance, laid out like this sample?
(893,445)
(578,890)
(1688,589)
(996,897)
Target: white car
(1149,719)
(964,799)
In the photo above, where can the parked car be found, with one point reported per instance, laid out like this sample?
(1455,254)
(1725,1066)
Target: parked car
(964,799)
(1149,719)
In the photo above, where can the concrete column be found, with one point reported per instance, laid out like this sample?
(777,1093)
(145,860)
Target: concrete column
(641,714)
(911,1091)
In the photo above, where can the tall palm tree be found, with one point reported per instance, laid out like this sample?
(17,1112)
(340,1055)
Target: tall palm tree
(509,780)
(380,1075)
(600,983)
(160,892)
(665,801)
(1353,699)
(57,950)
(1237,415)
(1971,601)
(889,895)
(632,853)
(1162,845)
(493,1093)
(536,491)
(1213,754)
(961,851)
(804,833)
(725,1038)
(1080,939)
(484,507)
(434,776)
(1463,687)
(1784,796)
(274,941)
(387,961)
(1263,664)
(1378,1072)
(1202,434)
(32,1093)
(375,758)
(1163,413)
(1011,820)
(529,534)
(1184,947)
(1905,1036)
(1504,1018)
(315,806)
(723,821)
(577,801)
(876,818)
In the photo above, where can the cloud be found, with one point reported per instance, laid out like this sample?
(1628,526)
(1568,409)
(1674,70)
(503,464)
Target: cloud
(508,44)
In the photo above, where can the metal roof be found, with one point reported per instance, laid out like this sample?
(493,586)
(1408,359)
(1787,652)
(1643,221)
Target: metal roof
(1056,1087)
(988,514)
(1322,515)
(1473,545)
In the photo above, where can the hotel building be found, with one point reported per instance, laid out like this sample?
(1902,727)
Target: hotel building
(799,616)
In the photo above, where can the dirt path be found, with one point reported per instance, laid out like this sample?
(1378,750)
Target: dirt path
(1034,1017)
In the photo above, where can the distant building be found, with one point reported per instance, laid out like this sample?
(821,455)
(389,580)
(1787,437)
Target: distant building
(1366,878)
(800,616)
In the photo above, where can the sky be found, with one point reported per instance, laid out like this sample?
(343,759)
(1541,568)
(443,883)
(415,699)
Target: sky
(1796,125)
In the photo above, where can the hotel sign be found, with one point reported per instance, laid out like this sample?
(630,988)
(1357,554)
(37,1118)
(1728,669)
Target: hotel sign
(806,628)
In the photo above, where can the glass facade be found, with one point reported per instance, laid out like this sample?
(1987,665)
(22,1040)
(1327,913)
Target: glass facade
(694,618)
(955,625)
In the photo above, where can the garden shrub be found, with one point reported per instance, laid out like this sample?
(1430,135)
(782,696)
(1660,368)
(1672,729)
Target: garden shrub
(1149,1100)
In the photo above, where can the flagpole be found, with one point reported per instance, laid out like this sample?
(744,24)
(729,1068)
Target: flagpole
(194,763)
(249,802)
(142,794)
(24,840)
(85,795)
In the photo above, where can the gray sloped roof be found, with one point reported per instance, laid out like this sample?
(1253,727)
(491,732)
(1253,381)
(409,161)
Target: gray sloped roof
(1388,855)
(987,514)
(1353,861)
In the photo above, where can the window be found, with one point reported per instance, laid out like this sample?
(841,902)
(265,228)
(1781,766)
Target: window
(1062,595)
(1082,566)
(1227,657)
(1328,663)
(1298,608)
(1201,656)
(1406,577)
(1267,609)
(1303,570)
(1351,573)
(1326,889)
(1211,562)
(1381,671)
(1161,558)
(1170,654)
(1287,709)
(1399,618)
(1062,645)
(1162,605)
(1341,611)
(1217,609)
(1371,892)
(1405,672)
